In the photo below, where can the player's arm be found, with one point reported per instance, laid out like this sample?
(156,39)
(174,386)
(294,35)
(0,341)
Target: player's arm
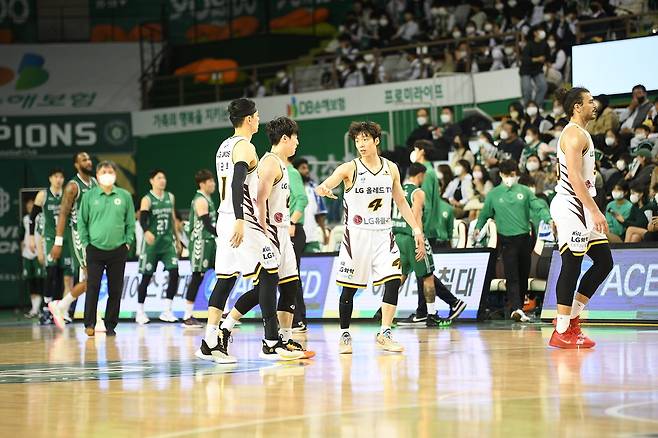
(36,209)
(486,213)
(268,172)
(70,193)
(417,205)
(573,141)
(145,219)
(343,173)
(202,212)
(244,157)
(408,215)
(174,221)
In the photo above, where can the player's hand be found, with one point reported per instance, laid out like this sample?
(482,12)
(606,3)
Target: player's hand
(322,190)
(420,247)
(238,233)
(56,252)
(292,230)
(149,237)
(476,233)
(31,242)
(600,223)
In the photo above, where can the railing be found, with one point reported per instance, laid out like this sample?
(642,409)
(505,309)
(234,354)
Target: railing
(608,28)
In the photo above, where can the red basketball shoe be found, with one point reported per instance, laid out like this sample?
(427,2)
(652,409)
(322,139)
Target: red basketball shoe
(569,340)
(574,326)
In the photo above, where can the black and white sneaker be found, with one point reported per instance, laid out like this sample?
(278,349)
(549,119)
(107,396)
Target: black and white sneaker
(191,322)
(299,327)
(46,318)
(218,353)
(279,352)
(437,321)
(413,321)
(457,310)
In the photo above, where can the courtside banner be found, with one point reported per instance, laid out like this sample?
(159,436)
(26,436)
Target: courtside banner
(464,272)
(629,293)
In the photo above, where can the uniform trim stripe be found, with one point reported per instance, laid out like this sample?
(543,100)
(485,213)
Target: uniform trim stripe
(227,276)
(353,177)
(255,273)
(354,285)
(385,279)
(289,279)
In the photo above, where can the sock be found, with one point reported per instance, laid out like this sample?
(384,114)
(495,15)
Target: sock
(140,307)
(211,335)
(36,301)
(65,303)
(270,343)
(228,323)
(431,308)
(384,328)
(562,323)
(168,304)
(189,310)
(576,308)
(286,333)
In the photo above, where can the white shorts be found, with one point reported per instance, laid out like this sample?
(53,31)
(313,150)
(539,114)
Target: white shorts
(575,227)
(367,255)
(288,270)
(255,252)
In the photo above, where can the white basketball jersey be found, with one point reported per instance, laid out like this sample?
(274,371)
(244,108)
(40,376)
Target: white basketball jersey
(564,186)
(278,203)
(368,202)
(225,170)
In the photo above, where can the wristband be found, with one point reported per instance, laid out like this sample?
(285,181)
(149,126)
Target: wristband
(59,240)
(417,231)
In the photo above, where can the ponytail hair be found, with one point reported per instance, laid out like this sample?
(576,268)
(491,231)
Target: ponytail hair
(569,98)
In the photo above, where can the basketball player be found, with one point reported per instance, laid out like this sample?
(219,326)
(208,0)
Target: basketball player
(581,226)
(273,215)
(424,269)
(67,228)
(242,245)
(202,246)
(160,243)
(32,269)
(49,202)
(371,184)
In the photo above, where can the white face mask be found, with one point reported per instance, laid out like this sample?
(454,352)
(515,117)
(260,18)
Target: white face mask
(504,135)
(529,140)
(483,142)
(477,174)
(640,136)
(635,198)
(470,30)
(499,6)
(541,34)
(456,34)
(531,110)
(368,57)
(435,135)
(536,2)
(445,118)
(509,181)
(421,120)
(107,179)
(621,165)
(616,194)
(508,50)
(383,23)
(488,27)
(413,156)
(459,170)
(655,198)
(439,175)
(551,43)
(609,141)
(557,109)
(548,17)
(281,75)
(511,3)
(532,166)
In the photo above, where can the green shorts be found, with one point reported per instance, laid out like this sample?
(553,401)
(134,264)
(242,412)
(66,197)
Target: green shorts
(312,247)
(32,269)
(64,262)
(202,254)
(408,263)
(160,251)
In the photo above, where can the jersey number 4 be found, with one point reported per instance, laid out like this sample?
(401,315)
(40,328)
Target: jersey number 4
(376,204)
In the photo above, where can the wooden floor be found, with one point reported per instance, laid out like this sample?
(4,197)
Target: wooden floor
(469,380)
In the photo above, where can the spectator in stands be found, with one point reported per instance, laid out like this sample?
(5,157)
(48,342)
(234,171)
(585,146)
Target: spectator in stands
(510,145)
(396,10)
(315,212)
(533,57)
(345,48)
(534,169)
(651,211)
(408,32)
(424,129)
(448,128)
(549,152)
(254,87)
(415,69)
(532,146)
(352,76)
(638,111)
(460,189)
(477,15)
(557,114)
(482,185)
(488,152)
(511,205)
(606,118)
(640,138)
(440,21)
(620,214)
(385,31)
(464,59)
(640,173)
(532,118)
(444,175)
(637,224)
(462,151)
(655,118)
(282,83)
(612,151)
(619,172)
(555,62)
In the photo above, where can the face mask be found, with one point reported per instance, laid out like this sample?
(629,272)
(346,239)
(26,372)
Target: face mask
(635,198)
(616,194)
(500,6)
(434,11)
(532,166)
(536,2)
(442,11)
(435,135)
(504,135)
(470,30)
(456,34)
(531,110)
(383,23)
(509,50)
(551,43)
(509,181)
(548,17)
(511,3)
(459,170)
(427,61)
(445,118)
(368,57)
(281,75)
(439,175)
(413,156)
(488,27)
(483,142)
(610,141)
(421,120)
(107,179)
(528,139)
(360,65)
(621,165)
(541,34)
(557,109)
(514,115)
(640,136)
(477,174)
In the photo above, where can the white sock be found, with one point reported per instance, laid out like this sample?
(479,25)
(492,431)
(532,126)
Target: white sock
(431,308)
(270,343)
(189,310)
(36,302)
(229,322)
(140,307)
(65,303)
(576,308)
(46,300)
(562,323)
(384,328)
(211,335)
(286,333)
(168,304)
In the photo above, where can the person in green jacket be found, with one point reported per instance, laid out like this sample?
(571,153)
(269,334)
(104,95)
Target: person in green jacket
(621,214)
(298,203)
(512,205)
(106,226)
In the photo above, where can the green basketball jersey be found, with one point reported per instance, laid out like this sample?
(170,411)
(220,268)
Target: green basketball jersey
(82,189)
(400,226)
(162,211)
(51,208)
(197,231)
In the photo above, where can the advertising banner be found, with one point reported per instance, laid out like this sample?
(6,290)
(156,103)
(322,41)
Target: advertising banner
(629,293)
(464,272)
(69,78)
(10,235)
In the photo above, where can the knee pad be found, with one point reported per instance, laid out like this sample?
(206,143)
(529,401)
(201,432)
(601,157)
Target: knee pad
(569,273)
(288,296)
(602,258)
(391,289)
(220,292)
(347,295)
(266,288)
(193,287)
(247,301)
(172,287)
